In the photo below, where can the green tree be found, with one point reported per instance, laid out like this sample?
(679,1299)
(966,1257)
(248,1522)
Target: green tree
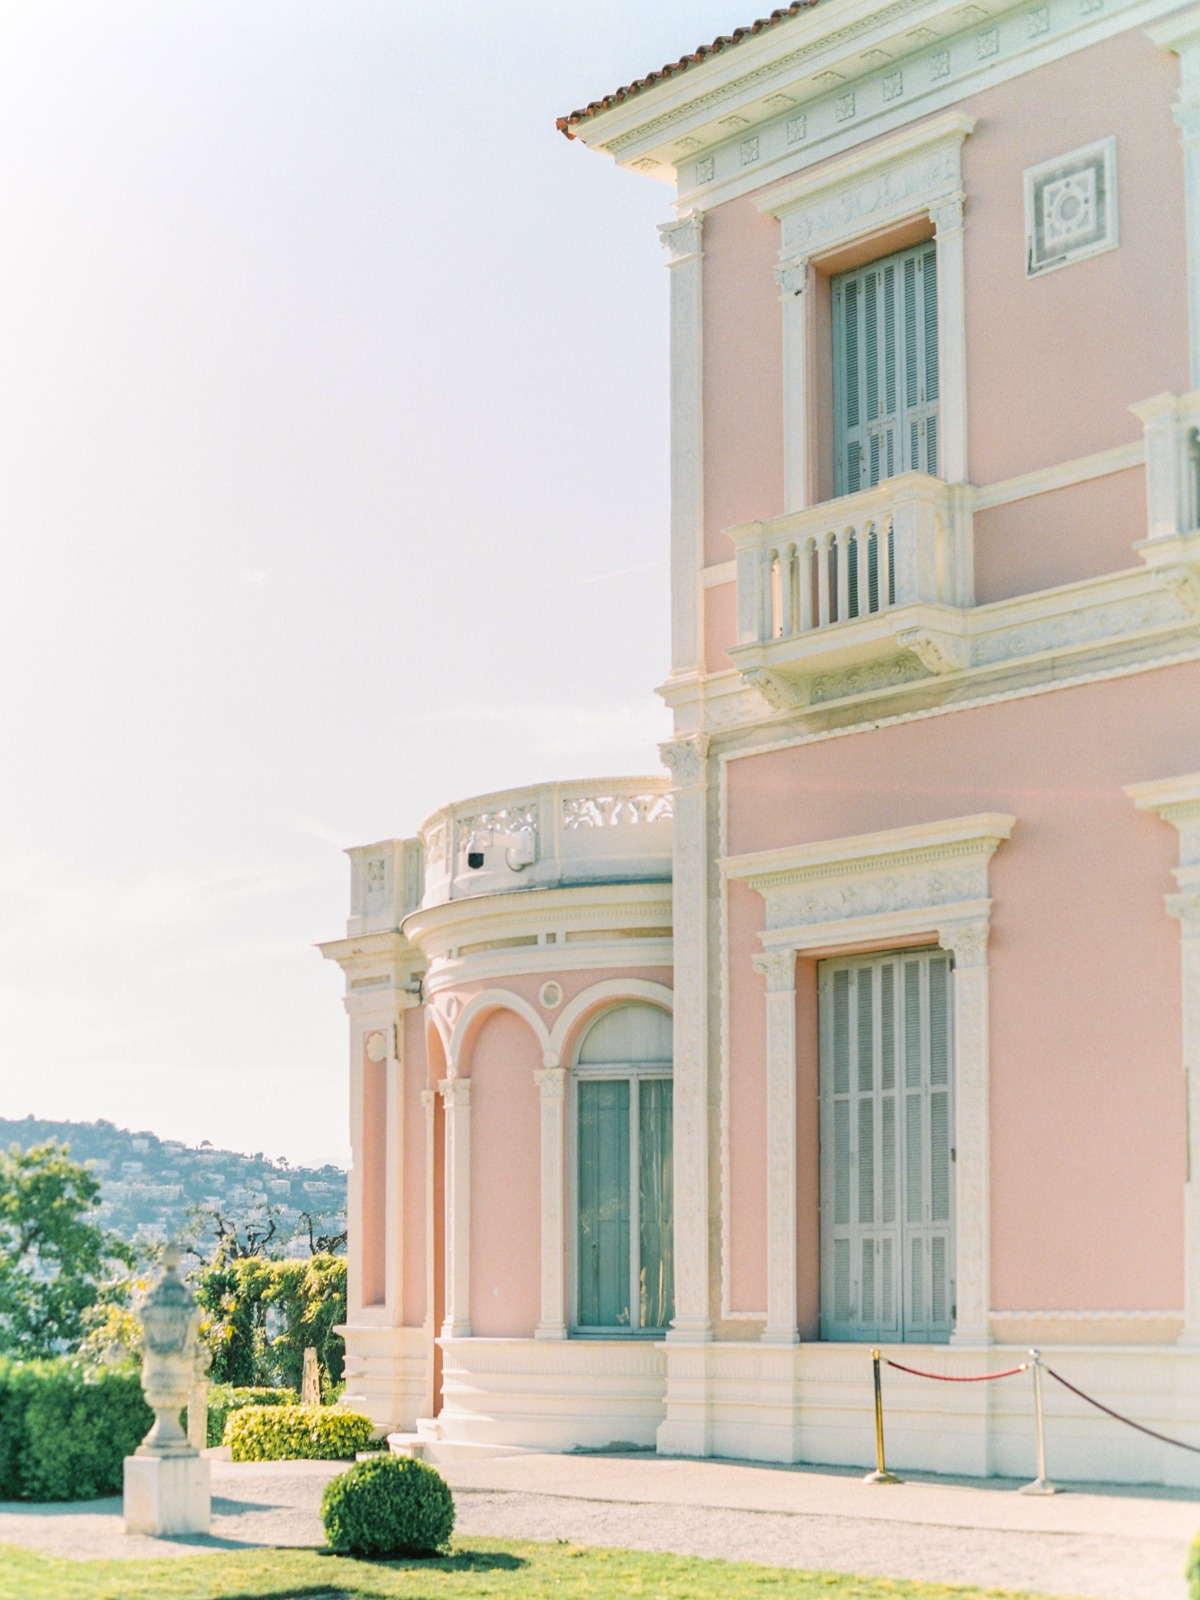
(55,1262)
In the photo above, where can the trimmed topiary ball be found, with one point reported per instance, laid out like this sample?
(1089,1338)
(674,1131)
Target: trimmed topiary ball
(389,1507)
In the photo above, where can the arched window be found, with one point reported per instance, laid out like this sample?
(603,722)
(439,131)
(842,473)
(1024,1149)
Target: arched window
(624,1278)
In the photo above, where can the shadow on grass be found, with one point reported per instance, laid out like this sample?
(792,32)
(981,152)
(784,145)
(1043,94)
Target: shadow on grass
(456,1561)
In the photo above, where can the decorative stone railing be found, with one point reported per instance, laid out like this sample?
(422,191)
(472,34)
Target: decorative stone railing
(554,834)
(837,582)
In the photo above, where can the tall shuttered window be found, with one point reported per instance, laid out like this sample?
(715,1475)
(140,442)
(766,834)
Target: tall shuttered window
(887,1157)
(885,369)
(624,1243)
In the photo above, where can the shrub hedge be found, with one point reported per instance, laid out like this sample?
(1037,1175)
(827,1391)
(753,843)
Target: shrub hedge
(1193,1569)
(296,1433)
(261,1315)
(65,1429)
(223,1398)
(388,1507)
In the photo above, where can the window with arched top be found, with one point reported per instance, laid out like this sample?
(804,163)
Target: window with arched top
(624,1280)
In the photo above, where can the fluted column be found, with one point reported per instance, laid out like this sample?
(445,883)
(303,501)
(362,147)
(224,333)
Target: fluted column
(792,277)
(947,217)
(778,967)
(552,1086)
(968,942)
(682,240)
(456,1092)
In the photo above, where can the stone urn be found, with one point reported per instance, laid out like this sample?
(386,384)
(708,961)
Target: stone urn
(168,1487)
(170,1321)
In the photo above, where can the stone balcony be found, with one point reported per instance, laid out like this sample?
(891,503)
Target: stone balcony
(854,581)
(548,836)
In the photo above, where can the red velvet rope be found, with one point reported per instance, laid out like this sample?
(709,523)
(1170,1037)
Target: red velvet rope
(1129,1423)
(945,1377)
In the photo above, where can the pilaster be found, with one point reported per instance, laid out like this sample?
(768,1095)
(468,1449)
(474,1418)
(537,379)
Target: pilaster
(429,1109)
(686,1429)
(682,240)
(792,277)
(552,1087)
(967,942)
(1177,801)
(456,1092)
(947,218)
(1181,34)
(779,969)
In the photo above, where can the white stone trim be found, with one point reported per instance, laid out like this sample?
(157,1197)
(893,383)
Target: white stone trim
(684,1430)
(1083,469)
(1177,801)
(778,967)
(682,240)
(552,1086)
(612,991)
(871,891)
(913,173)
(1181,34)
(430,1329)
(394,1184)
(477,1007)
(456,1092)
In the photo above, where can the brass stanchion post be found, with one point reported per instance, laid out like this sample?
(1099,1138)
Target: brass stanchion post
(881,1473)
(1041,1484)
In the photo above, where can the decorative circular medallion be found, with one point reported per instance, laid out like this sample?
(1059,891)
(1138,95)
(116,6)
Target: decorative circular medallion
(376,1046)
(451,1007)
(550,995)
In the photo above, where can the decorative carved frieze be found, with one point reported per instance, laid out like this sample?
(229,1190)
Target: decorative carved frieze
(681,239)
(614,810)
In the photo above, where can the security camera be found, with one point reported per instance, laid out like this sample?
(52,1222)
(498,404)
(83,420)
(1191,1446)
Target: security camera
(475,851)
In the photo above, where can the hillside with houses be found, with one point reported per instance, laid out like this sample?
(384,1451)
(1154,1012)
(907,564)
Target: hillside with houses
(152,1186)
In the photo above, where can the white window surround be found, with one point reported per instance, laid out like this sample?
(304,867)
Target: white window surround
(1181,34)
(633,1072)
(1177,801)
(908,175)
(873,892)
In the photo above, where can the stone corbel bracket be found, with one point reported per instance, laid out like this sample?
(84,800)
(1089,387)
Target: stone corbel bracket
(937,652)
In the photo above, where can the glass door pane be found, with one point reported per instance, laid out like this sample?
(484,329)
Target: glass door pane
(657,1276)
(604,1222)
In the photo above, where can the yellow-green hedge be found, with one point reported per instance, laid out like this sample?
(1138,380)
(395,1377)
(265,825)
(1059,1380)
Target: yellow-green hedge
(296,1433)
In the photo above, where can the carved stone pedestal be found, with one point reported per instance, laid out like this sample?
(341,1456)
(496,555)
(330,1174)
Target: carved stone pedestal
(167,1494)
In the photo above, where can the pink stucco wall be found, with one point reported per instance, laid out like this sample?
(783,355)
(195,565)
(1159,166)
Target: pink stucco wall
(1087,1114)
(1062,537)
(505,1179)
(415,1071)
(743,373)
(1053,362)
(501,1057)
(373,1156)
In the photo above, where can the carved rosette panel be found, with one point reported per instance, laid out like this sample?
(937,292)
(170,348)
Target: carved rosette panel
(510,819)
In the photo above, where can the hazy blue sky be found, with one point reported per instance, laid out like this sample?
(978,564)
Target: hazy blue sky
(333,477)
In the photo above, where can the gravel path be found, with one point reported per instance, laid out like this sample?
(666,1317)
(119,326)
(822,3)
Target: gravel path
(1116,1546)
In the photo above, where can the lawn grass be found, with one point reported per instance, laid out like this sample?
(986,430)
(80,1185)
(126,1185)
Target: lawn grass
(477,1568)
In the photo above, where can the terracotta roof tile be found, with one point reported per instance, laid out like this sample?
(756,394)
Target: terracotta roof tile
(725,42)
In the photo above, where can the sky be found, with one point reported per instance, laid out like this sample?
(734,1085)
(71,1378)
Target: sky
(333,488)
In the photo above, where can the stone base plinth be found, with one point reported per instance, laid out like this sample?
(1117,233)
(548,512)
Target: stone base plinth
(167,1494)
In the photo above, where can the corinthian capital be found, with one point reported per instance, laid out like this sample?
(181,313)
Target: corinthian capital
(778,967)
(686,758)
(967,942)
(456,1091)
(682,238)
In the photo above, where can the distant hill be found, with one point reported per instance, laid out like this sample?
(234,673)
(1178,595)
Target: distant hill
(149,1184)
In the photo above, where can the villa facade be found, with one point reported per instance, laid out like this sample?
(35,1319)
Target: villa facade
(875,1020)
